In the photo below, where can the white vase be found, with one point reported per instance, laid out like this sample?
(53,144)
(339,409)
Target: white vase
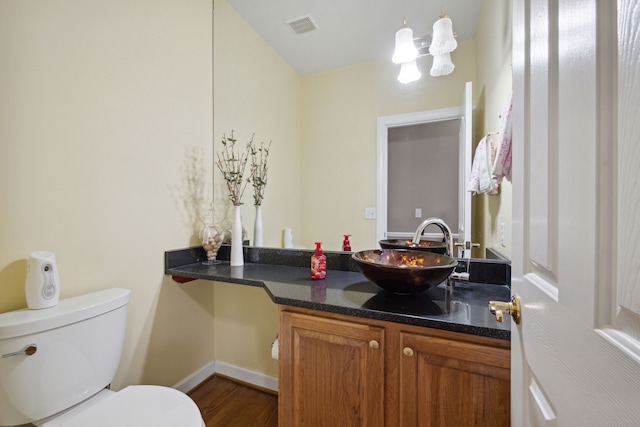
(237,257)
(257,227)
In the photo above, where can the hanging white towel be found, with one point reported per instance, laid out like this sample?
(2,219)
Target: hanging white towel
(481,180)
(502,164)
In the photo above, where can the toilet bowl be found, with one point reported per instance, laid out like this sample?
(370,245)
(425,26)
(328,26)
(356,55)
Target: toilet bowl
(140,405)
(56,363)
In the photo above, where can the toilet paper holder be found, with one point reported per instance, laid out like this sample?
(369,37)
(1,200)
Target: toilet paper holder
(274,348)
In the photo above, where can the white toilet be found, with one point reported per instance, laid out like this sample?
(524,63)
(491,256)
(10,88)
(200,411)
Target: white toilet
(56,363)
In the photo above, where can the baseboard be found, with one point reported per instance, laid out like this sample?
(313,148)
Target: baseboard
(257,379)
(196,378)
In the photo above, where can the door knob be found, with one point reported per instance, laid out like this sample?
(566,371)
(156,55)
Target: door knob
(500,307)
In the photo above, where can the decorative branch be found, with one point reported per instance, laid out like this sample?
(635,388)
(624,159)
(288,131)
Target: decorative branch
(259,170)
(232,166)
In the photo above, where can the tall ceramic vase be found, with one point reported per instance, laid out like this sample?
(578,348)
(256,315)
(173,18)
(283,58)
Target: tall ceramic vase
(237,258)
(257,227)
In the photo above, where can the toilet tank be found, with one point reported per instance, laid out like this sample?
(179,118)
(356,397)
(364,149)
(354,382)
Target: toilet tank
(78,348)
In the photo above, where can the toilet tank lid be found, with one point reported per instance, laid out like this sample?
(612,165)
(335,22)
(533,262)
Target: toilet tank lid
(69,310)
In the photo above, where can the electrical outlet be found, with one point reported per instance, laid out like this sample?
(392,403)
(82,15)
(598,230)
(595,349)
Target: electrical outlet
(370,213)
(502,234)
(418,213)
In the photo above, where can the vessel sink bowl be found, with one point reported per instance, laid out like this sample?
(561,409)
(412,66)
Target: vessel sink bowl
(404,271)
(423,245)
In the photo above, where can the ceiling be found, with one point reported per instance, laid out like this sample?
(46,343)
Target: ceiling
(349,31)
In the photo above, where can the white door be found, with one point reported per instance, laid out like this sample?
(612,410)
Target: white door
(464,169)
(576,266)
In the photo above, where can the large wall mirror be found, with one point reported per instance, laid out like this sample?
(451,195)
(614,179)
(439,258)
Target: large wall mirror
(318,96)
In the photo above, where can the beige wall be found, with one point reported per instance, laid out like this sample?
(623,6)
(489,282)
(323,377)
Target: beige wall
(323,165)
(340,109)
(106,112)
(256,91)
(102,101)
(323,169)
(493,84)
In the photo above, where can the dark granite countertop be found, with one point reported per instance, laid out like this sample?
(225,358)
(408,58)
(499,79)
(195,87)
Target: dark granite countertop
(458,308)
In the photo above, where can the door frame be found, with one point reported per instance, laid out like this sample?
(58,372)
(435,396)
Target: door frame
(399,120)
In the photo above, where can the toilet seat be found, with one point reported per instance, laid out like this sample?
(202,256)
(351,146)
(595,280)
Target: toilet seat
(140,406)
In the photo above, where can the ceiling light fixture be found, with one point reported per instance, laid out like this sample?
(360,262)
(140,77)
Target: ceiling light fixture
(405,50)
(409,72)
(442,65)
(443,40)
(440,46)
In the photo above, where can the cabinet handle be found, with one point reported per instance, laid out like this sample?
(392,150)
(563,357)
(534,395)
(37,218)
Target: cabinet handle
(374,344)
(407,351)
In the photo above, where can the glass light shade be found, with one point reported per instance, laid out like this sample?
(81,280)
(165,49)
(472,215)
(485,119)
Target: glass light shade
(442,65)
(405,50)
(443,40)
(409,72)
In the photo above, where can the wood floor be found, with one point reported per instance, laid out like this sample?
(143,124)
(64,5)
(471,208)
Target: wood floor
(226,403)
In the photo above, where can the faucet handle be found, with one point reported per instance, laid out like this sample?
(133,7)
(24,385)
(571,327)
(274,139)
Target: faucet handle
(467,245)
(461,272)
(461,277)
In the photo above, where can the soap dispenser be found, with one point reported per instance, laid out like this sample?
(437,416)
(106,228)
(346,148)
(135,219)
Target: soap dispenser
(318,263)
(346,244)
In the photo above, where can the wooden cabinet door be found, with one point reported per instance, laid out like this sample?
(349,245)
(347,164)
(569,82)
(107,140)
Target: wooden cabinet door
(452,383)
(331,372)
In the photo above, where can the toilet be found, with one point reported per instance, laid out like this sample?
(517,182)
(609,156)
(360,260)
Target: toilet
(56,365)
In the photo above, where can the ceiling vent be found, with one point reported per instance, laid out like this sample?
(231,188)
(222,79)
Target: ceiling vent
(302,24)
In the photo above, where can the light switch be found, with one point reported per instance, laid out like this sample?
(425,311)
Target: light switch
(370,213)
(418,213)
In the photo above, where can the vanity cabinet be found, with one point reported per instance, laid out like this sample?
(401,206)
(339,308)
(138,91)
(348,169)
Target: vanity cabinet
(350,371)
(448,382)
(331,372)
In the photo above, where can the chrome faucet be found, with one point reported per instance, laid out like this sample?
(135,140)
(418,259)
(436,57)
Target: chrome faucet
(448,240)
